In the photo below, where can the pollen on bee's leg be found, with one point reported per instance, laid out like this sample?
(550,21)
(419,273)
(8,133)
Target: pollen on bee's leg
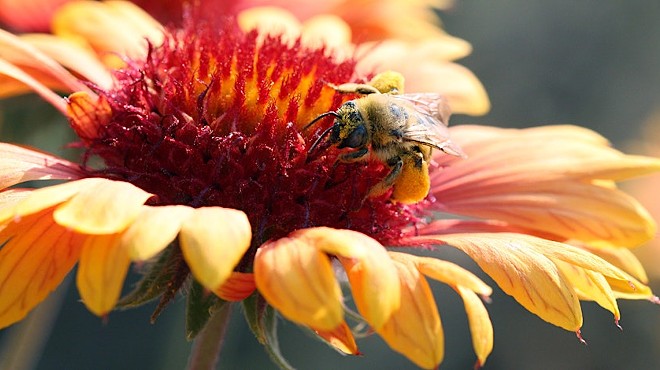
(413,184)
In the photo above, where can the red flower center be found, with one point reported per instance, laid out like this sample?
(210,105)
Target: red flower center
(214,117)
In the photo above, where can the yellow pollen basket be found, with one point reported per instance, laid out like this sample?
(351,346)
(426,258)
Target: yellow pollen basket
(413,183)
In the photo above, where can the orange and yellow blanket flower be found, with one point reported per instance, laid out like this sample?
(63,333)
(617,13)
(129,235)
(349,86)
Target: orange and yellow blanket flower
(207,172)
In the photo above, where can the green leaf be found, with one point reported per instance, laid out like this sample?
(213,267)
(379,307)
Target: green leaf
(153,284)
(262,320)
(200,304)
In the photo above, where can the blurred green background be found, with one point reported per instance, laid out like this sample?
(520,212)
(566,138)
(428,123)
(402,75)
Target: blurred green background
(593,63)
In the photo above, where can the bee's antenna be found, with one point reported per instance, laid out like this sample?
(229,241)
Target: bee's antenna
(331,113)
(316,143)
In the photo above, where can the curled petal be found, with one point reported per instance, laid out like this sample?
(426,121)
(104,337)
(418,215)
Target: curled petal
(237,287)
(18,164)
(87,114)
(153,229)
(213,241)
(102,207)
(415,330)
(481,328)
(340,339)
(35,257)
(372,276)
(467,285)
(298,280)
(101,273)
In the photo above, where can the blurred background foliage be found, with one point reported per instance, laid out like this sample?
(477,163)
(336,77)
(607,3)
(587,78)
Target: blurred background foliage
(592,63)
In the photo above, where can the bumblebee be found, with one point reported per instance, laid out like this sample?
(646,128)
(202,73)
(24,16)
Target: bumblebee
(400,130)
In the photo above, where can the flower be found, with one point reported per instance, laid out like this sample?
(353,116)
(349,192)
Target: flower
(207,172)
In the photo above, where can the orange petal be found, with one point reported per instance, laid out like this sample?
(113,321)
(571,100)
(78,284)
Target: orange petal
(18,164)
(298,280)
(19,54)
(340,339)
(102,207)
(101,273)
(213,241)
(87,114)
(33,84)
(28,15)
(237,287)
(36,256)
(516,265)
(153,229)
(372,276)
(73,56)
(415,330)
(548,179)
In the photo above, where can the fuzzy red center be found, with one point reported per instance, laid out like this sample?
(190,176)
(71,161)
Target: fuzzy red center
(214,117)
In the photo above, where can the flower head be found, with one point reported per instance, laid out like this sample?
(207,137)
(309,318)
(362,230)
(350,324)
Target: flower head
(211,170)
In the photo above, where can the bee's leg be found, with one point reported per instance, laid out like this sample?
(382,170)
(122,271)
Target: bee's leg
(350,87)
(349,157)
(354,156)
(396,165)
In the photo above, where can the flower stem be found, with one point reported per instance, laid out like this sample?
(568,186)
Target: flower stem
(206,347)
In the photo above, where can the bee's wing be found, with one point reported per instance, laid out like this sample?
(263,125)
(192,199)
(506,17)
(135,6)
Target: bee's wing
(430,104)
(429,126)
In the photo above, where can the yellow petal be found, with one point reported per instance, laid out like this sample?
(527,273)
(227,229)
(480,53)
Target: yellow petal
(449,273)
(36,256)
(468,286)
(326,30)
(622,258)
(18,164)
(481,328)
(11,197)
(153,229)
(213,241)
(101,273)
(523,272)
(102,207)
(44,198)
(298,280)
(109,27)
(415,330)
(372,276)
(340,339)
(270,20)
(591,286)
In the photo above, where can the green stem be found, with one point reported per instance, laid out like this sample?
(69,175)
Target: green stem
(206,346)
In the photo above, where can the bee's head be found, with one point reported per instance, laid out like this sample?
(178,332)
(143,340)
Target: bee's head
(349,130)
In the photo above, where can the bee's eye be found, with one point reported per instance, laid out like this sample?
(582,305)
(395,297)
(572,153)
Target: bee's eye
(357,138)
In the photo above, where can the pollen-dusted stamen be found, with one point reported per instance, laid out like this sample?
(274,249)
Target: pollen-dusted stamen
(213,118)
